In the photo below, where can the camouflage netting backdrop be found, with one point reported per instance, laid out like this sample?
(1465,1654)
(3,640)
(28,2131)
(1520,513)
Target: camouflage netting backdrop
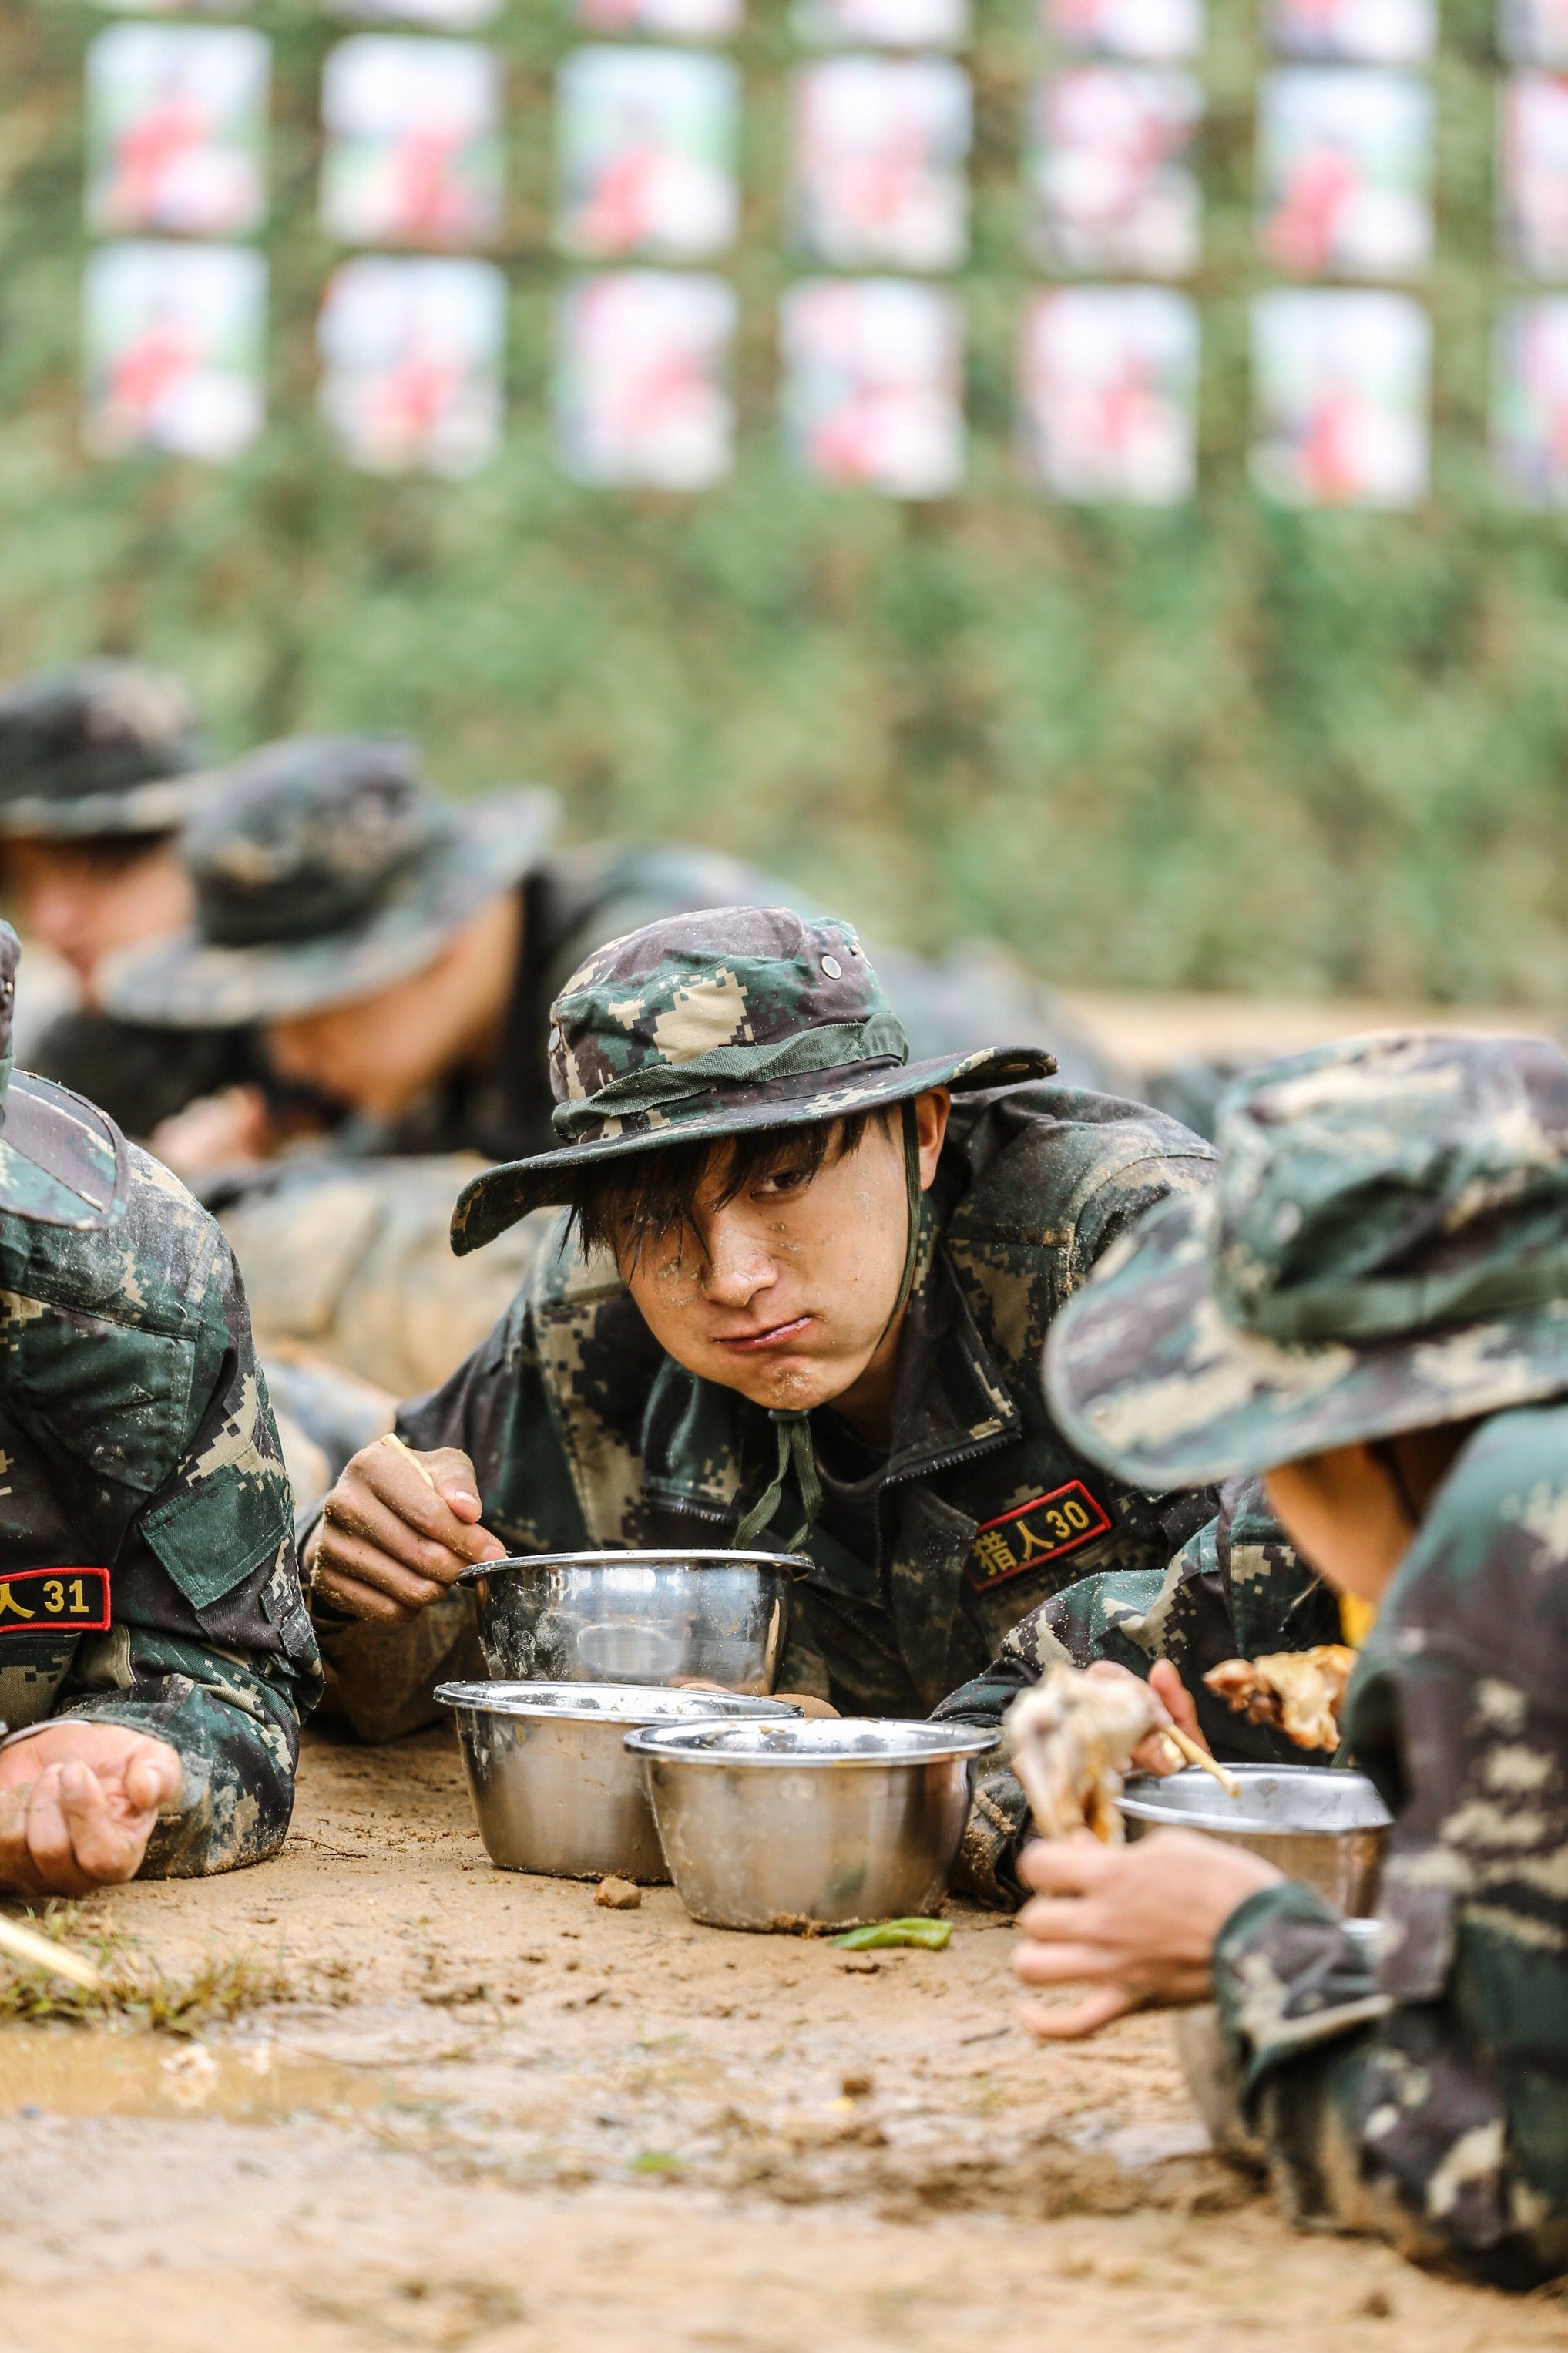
(1222,746)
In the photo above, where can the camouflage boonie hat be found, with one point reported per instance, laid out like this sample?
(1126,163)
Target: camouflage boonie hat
(707,1024)
(325,870)
(1385,1248)
(103,748)
(61,1162)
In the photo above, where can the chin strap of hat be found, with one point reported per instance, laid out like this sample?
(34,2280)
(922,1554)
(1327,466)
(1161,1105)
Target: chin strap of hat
(794,1427)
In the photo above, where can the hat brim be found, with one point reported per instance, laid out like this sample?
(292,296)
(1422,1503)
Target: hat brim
(1146,1374)
(62,1163)
(160,806)
(498,1198)
(187,982)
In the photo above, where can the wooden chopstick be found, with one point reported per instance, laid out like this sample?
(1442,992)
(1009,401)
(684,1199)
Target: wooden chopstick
(390,1438)
(1196,1755)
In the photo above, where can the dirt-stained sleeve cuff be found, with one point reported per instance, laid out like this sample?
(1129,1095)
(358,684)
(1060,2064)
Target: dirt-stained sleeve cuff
(998,1815)
(1288,1976)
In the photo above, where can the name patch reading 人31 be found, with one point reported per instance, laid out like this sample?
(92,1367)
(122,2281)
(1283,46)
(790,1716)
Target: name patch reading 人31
(1033,1533)
(54,1601)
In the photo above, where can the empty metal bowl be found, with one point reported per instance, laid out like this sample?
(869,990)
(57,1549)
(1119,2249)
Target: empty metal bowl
(664,1617)
(1320,1826)
(552,1785)
(821,1823)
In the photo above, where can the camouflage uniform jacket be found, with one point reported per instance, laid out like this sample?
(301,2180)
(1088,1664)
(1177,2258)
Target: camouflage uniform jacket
(583,1433)
(147,1569)
(1236,1589)
(1426,2099)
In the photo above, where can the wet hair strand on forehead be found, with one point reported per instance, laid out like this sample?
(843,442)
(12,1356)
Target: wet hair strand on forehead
(618,1205)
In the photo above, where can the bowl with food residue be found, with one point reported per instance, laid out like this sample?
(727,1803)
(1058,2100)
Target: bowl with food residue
(553,1786)
(814,1824)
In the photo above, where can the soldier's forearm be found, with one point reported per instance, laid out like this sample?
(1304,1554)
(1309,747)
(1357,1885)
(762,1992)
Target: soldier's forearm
(236,1735)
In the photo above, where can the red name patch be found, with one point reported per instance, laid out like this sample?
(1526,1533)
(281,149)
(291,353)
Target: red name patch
(1033,1534)
(54,1602)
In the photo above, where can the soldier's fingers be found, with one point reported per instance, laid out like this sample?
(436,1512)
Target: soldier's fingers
(356,1515)
(1076,2019)
(396,1480)
(106,1849)
(1066,1866)
(1167,1684)
(346,1557)
(50,1853)
(1059,1964)
(153,1779)
(14,1864)
(361,1602)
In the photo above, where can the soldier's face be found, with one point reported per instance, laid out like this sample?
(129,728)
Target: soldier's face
(784,1292)
(1343,1514)
(86,900)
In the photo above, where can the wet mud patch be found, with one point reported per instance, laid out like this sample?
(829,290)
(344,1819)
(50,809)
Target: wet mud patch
(482,2110)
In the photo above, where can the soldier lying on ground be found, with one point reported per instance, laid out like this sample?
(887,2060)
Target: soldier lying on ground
(99,769)
(155,1655)
(1370,1309)
(401,953)
(799,1299)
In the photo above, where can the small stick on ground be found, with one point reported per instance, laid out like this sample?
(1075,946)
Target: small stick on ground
(36,1952)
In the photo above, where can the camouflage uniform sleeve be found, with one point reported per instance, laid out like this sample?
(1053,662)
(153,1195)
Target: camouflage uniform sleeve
(1235,1589)
(211,1649)
(1430,2103)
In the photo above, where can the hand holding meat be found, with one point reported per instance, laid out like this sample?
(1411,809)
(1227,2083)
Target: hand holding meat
(1074,1737)
(396,1531)
(78,1804)
(1299,1690)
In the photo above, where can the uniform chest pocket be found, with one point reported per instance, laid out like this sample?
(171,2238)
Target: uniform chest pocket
(114,1396)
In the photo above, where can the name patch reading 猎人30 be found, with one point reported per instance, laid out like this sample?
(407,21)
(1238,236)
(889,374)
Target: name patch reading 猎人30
(1033,1533)
(54,1601)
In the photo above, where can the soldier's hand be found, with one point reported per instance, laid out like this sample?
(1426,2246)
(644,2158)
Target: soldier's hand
(391,1539)
(78,1803)
(215,1131)
(1153,1754)
(1137,1924)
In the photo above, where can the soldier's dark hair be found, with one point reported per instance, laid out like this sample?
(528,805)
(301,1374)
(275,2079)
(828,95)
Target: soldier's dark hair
(619,1205)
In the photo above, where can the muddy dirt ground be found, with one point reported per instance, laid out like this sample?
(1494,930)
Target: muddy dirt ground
(487,2113)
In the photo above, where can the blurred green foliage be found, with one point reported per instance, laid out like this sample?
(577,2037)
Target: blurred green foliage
(1225,747)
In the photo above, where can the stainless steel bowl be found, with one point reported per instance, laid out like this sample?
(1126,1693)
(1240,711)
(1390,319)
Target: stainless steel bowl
(552,1785)
(664,1617)
(1323,1827)
(814,1824)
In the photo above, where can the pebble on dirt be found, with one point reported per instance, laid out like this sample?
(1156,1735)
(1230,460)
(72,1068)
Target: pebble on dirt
(617,1894)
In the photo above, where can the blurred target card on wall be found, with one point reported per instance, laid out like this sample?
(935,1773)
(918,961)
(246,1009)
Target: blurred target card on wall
(1363,31)
(411,351)
(173,342)
(669,20)
(1107,394)
(1341,385)
(642,391)
(1148,32)
(1111,177)
(879,151)
(177,129)
(412,151)
(1533,177)
(1533,32)
(1344,171)
(873,385)
(1529,401)
(645,146)
(882,24)
(440,16)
